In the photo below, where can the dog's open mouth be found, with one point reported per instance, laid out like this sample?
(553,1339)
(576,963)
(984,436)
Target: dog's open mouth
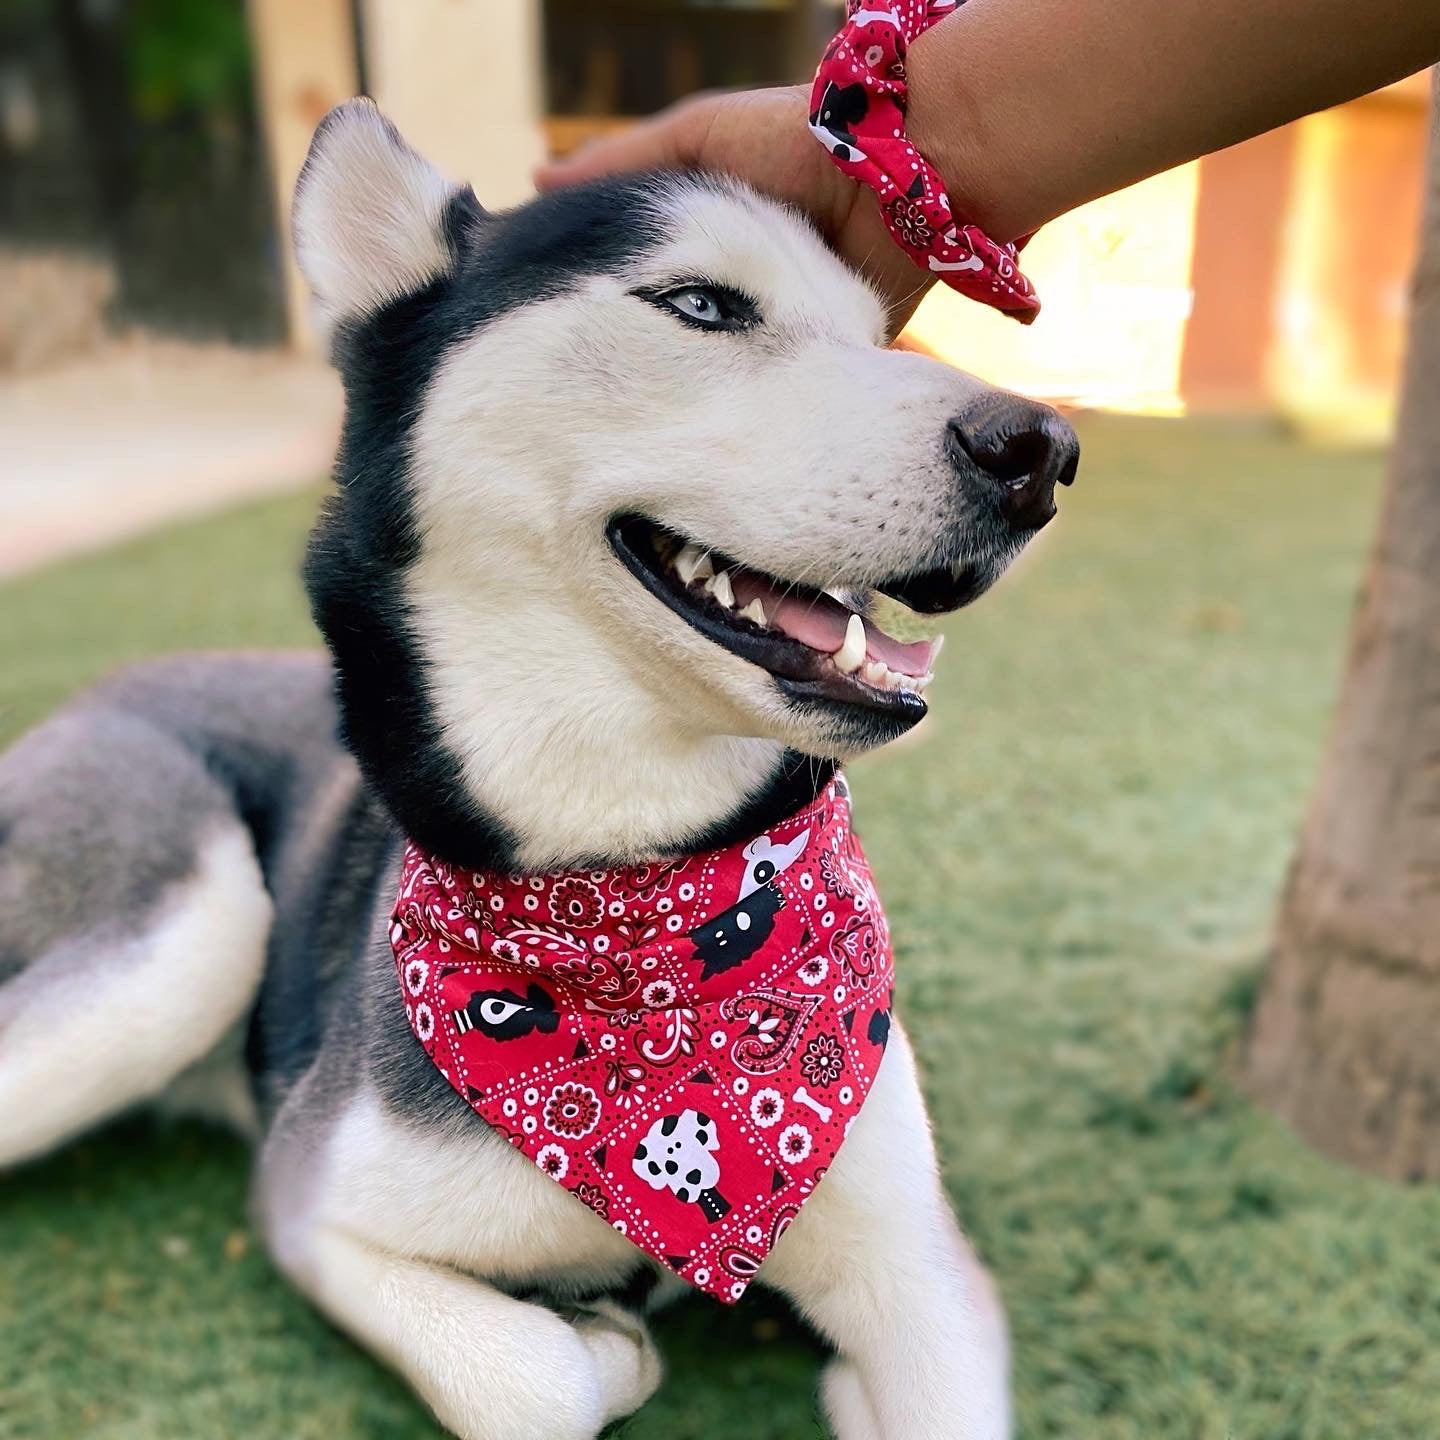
(815,645)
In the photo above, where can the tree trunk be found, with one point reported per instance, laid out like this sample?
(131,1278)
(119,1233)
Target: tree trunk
(1346,1039)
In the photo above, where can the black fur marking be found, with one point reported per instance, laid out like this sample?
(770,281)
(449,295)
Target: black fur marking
(295,1007)
(799,779)
(366,538)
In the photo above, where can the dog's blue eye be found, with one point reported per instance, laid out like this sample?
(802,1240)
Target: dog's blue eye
(698,304)
(707,307)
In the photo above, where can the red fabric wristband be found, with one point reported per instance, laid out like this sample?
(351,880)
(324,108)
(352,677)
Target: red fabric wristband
(857,111)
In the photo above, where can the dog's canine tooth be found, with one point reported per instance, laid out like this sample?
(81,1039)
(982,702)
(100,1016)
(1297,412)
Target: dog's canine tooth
(687,562)
(754,611)
(704,569)
(922,684)
(720,588)
(848,657)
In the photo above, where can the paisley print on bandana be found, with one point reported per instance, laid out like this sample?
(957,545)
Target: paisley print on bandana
(683,1045)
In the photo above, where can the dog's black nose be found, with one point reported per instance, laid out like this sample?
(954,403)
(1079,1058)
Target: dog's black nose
(1024,449)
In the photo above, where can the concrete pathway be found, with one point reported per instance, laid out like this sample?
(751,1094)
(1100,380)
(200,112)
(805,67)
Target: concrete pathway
(149,431)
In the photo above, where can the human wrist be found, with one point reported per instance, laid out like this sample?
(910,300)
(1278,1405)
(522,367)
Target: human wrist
(948,120)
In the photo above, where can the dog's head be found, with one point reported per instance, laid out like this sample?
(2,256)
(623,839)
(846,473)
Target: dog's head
(622,470)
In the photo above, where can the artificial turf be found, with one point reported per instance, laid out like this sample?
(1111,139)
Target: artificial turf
(1079,859)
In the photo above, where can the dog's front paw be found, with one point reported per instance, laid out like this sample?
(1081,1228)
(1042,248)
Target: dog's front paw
(625,1356)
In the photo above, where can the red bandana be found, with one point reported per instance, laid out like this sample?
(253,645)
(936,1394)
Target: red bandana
(857,111)
(682,1045)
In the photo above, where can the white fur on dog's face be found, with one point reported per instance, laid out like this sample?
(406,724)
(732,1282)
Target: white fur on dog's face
(801,448)
(797,446)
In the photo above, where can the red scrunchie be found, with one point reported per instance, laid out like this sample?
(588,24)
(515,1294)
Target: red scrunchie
(857,111)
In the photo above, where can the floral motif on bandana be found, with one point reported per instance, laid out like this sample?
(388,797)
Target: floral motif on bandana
(682,1045)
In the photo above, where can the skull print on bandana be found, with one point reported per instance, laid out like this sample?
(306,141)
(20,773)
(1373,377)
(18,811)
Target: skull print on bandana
(683,1045)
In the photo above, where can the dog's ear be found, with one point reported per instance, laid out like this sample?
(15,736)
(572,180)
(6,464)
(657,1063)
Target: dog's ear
(372,218)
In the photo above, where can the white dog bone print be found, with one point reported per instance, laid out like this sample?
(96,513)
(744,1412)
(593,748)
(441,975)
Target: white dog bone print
(804,1097)
(971,262)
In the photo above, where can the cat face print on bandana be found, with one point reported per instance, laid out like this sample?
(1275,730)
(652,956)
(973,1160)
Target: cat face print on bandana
(683,1046)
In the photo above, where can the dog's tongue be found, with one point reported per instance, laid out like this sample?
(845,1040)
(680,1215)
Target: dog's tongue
(819,621)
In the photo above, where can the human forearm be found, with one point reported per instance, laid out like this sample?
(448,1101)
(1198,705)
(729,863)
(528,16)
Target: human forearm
(1031,107)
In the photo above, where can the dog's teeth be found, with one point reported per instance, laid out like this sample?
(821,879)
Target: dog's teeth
(719,587)
(922,684)
(687,562)
(692,564)
(875,674)
(935,651)
(848,657)
(754,611)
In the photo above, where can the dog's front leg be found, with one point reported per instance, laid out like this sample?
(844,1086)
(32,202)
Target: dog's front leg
(877,1262)
(491,1367)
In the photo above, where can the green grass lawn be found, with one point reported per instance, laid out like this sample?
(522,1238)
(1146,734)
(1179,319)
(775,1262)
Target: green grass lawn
(1080,859)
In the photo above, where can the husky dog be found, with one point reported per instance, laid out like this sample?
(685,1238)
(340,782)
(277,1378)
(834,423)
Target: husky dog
(618,468)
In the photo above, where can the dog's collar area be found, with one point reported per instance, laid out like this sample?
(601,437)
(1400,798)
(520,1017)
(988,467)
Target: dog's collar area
(809,639)
(682,1045)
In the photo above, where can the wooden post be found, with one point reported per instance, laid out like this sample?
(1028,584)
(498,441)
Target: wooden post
(1343,1043)
(305,63)
(462,80)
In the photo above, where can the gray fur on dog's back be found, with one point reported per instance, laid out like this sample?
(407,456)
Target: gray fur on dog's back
(109,810)
(101,806)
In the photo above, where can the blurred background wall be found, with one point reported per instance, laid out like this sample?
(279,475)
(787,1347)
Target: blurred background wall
(148,149)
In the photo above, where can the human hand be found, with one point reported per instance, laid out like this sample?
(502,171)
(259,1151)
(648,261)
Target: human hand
(763,138)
